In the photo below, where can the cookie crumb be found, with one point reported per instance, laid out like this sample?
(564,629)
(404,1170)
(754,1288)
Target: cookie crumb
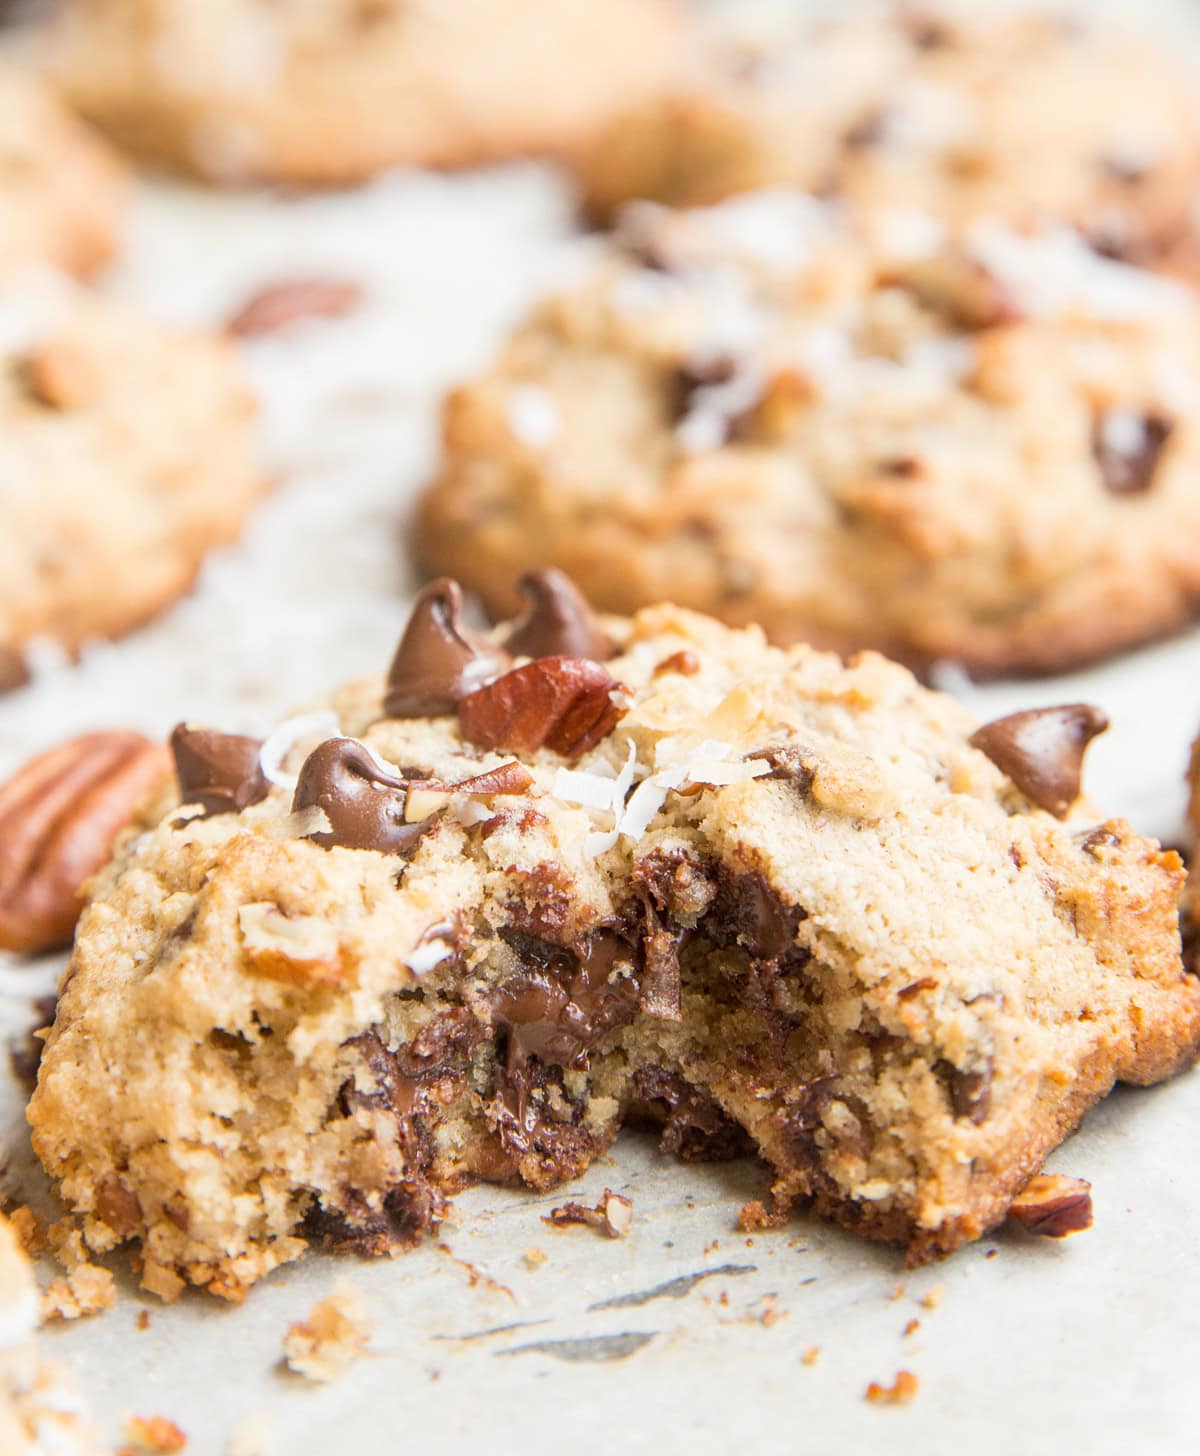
(326,1344)
(87,1289)
(900,1392)
(535,1258)
(933,1297)
(911,1327)
(897,1293)
(143,1319)
(811,1355)
(30,1229)
(612,1215)
(152,1436)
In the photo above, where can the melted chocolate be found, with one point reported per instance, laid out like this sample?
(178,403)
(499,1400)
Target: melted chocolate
(692,1126)
(559,622)
(219,771)
(1042,751)
(363,802)
(1130,471)
(438,660)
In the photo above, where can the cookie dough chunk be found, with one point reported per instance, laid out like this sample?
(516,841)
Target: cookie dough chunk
(484,909)
(955,109)
(62,191)
(126,457)
(39,1411)
(983,450)
(333,92)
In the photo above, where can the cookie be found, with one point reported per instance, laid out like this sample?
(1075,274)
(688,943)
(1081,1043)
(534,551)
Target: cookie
(964,113)
(472,916)
(982,449)
(39,1411)
(62,190)
(332,93)
(126,457)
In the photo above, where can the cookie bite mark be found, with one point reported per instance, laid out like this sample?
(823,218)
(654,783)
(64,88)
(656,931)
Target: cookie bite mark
(1042,751)
(439,661)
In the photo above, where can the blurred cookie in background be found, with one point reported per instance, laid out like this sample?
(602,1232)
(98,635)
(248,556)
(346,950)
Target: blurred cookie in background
(982,449)
(966,112)
(62,189)
(334,92)
(125,457)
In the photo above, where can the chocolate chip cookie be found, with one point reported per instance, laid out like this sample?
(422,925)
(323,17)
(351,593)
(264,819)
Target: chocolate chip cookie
(39,1412)
(62,191)
(126,457)
(860,435)
(334,92)
(963,111)
(533,883)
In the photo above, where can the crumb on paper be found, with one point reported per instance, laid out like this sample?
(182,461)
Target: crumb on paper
(143,1319)
(768,1312)
(161,1280)
(65,1239)
(30,1229)
(712,1248)
(911,1327)
(325,1345)
(612,1215)
(87,1289)
(252,1437)
(897,1292)
(902,1390)
(755,1216)
(811,1355)
(534,1258)
(152,1436)
(933,1297)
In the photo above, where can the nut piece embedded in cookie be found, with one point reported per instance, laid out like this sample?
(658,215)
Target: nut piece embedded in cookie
(562,703)
(1042,751)
(1053,1205)
(59,817)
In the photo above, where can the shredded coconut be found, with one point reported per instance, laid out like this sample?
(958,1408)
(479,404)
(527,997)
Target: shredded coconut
(291,731)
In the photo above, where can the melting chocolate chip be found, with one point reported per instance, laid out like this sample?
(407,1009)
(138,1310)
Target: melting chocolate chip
(439,661)
(692,1126)
(763,924)
(559,621)
(362,801)
(1127,447)
(219,771)
(970,1093)
(1042,750)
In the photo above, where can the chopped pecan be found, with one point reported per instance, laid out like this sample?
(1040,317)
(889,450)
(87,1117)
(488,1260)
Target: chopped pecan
(1053,1205)
(561,703)
(59,817)
(279,305)
(612,1214)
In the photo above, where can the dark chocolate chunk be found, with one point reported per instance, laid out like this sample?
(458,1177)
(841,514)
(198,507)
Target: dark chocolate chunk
(692,1126)
(1128,466)
(970,1093)
(760,921)
(439,661)
(362,801)
(219,771)
(559,622)
(1042,750)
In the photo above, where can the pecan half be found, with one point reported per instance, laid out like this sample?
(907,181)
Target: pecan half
(59,817)
(561,703)
(1053,1205)
(280,305)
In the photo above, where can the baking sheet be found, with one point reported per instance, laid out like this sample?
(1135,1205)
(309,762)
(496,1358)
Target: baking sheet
(1035,1347)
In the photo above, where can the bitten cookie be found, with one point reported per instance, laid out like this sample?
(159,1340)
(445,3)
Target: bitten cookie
(984,450)
(126,456)
(62,191)
(959,110)
(467,920)
(331,93)
(39,1411)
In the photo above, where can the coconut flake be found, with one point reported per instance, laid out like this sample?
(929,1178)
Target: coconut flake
(600,842)
(428,954)
(469,811)
(19,1319)
(591,790)
(279,744)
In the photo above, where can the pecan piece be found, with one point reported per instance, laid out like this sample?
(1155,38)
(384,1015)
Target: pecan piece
(280,305)
(1053,1205)
(561,703)
(59,817)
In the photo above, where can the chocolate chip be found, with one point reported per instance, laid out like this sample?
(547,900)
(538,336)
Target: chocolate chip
(1127,446)
(438,661)
(763,924)
(1042,750)
(789,763)
(692,1126)
(559,622)
(362,801)
(219,771)
(970,1093)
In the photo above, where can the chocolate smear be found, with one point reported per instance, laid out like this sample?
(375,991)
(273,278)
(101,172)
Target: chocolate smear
(1042,750)
(362,801)
(219,771)
(559,622)
(1128,447)
(439,661)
